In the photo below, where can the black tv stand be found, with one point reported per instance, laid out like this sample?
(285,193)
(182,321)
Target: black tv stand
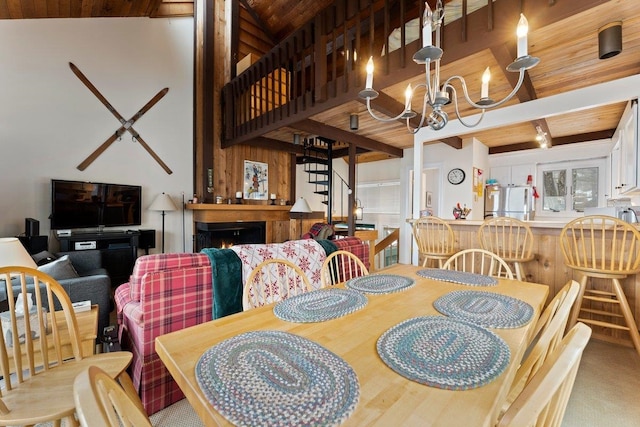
(119,250)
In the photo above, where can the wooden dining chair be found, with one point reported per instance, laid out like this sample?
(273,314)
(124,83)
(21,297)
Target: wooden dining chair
(479,261)
(40,352)
(544,400)
(273,280)
(435,240)
(102,402)
(554,319)
(341,266)
(602,247)
(510,239)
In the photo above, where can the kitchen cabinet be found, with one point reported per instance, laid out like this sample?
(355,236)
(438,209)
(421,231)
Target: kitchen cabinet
(512,175)
(625,162)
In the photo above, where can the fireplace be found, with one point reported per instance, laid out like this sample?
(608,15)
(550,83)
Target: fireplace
(226,234)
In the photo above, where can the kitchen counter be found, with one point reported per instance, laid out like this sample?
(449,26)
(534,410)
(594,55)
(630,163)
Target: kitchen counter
(548,265)
(478,222)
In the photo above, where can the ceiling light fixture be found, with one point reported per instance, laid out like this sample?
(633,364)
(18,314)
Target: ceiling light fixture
(541,137)
(436,95)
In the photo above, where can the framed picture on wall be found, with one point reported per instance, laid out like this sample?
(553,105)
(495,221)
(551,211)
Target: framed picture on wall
(256,180)
(429,202)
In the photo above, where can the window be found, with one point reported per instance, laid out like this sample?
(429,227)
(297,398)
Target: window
(570,187)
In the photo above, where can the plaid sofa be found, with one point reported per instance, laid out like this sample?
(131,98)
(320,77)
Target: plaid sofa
(170,292)
(165,293)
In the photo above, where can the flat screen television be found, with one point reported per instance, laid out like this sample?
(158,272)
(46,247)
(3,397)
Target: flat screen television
(77,204)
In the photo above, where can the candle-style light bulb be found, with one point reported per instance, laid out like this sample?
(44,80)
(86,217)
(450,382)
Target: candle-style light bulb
(486,76)
(521,32)
(408,93)
(369,82)
(427,18)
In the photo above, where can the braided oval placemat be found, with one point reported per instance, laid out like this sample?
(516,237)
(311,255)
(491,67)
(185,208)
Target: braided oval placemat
(274,378)
(320,305)
(444,353)
(380,283)
(461,277)
(485,309)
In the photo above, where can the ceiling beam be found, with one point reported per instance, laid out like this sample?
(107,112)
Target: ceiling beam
(564,140)
(274,144)
(317,128)
(267,32)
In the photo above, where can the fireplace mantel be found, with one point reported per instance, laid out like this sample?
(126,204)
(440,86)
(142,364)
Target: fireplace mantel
(276,217)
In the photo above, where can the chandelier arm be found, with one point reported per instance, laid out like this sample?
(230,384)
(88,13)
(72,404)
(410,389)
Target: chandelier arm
(425,102)
(382,119)
(448,84)
(459,116)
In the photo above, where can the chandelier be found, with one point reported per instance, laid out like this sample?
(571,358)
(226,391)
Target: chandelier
(436,96)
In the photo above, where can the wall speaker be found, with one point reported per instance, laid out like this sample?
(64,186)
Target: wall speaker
(147,239)
(31,227)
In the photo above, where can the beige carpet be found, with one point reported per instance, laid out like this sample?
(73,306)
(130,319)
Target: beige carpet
(607,388)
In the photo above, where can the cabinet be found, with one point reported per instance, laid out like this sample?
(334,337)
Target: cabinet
(624,155)
(119,250)
(512,175)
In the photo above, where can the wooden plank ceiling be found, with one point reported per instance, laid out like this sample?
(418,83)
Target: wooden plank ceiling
(567,48)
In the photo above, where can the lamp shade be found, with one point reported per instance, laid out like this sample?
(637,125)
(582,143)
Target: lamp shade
(300,206)
(163,202)
(12,253)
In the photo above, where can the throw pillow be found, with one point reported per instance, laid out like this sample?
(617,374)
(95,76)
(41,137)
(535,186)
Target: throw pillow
(44,257)
(60,269)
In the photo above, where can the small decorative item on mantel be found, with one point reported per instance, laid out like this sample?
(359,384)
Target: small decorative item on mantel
(273,198)
(238,197)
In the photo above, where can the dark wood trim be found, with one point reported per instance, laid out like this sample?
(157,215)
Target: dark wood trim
(563,140)
(235,35)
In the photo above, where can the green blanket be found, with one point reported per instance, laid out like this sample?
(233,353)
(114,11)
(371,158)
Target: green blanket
(226,269)
(328,246)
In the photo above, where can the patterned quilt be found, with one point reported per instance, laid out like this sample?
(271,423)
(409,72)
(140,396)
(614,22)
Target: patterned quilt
(306,254)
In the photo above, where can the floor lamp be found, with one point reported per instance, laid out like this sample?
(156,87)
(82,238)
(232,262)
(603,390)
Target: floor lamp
(163,203)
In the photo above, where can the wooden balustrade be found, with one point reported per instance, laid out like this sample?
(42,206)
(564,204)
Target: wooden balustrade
(318,66)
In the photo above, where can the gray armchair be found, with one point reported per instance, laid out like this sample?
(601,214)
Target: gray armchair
(93,284)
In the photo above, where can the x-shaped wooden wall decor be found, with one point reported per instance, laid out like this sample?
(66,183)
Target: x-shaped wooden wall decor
(127,125)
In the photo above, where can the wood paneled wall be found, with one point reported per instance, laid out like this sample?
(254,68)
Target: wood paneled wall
(229,170)
(548,268)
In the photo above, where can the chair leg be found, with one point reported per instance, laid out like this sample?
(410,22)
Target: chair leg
(577,305)
(628,315)
(519,273)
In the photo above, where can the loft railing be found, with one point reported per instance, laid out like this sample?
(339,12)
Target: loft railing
(319,66)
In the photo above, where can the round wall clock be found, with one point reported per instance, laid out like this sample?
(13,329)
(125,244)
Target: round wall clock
(456,176)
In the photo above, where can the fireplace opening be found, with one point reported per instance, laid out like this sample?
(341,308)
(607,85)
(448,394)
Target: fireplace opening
(227,234)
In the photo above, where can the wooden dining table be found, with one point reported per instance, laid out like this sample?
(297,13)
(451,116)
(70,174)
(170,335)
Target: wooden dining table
(386,397)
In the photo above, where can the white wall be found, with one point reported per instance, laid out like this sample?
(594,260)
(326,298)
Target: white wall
(50,122)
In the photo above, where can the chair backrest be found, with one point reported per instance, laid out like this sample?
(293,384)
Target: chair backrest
(550,335)
(42,339)
(162,262)
(479,261)
(544,400)
(433,236)
(102,402)
(341,266)
(273,280)
(601,244)
(509,238)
